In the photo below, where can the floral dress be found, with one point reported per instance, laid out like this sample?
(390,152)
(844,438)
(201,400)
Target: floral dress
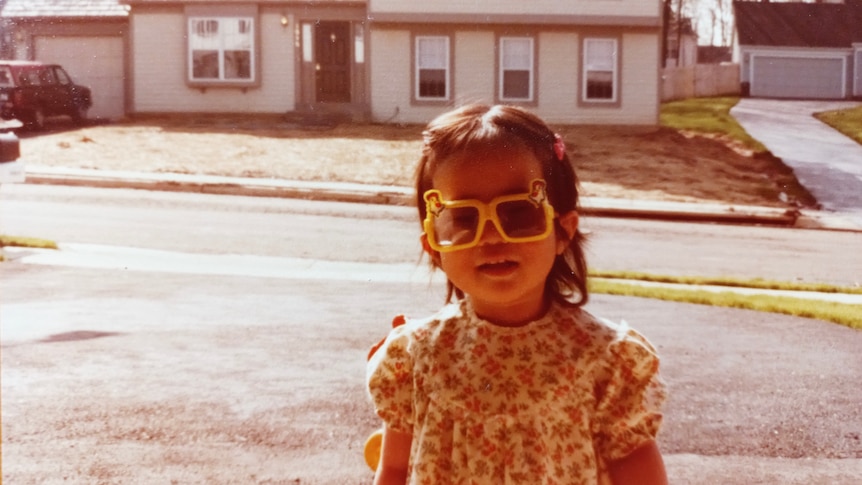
(551,402)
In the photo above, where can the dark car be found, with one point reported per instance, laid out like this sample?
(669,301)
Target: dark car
(32,91)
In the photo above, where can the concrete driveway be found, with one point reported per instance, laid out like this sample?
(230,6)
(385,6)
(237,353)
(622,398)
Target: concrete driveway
(826,162)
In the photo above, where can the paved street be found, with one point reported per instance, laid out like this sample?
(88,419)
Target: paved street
(150,375)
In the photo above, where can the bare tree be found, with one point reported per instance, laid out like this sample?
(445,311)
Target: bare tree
(712,20)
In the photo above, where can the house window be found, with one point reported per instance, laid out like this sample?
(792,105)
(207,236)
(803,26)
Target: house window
(600,70)
(432,68)
(221,49)
(516,69)
(359,43)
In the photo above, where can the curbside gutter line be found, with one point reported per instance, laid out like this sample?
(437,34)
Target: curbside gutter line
(403,196)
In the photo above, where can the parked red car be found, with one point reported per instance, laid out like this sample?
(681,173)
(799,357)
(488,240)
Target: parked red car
(31,91)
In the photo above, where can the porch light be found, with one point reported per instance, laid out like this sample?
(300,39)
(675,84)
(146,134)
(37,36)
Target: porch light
(284,20)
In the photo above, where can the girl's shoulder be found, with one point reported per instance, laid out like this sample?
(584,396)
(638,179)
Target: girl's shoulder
(600,333)
(411,328)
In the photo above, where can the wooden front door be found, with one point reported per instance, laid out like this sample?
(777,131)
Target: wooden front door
(332,62)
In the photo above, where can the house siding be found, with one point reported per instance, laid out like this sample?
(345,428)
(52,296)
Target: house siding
(640,81)
(558,77)
(474,74)
(160,67)
(390,78)
(383,89)
(527,10)
(857,69)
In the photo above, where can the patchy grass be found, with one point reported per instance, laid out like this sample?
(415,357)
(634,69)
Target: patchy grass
(840,313)
(847,121)
(710,116)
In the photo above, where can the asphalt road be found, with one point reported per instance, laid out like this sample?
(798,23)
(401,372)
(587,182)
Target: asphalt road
(130,375)
(211,224)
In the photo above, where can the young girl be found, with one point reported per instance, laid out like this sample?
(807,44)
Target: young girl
(513,382)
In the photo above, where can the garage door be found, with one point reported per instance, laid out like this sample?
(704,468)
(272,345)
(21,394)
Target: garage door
(96,62)
(797,77)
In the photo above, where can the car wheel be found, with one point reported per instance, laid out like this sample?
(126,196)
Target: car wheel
(79,114)
(36,120)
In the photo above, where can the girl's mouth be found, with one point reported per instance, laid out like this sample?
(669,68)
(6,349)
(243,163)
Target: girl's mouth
(498,268)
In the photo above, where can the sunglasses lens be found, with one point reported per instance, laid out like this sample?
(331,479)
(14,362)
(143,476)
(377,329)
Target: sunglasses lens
(456,226)
(522,218)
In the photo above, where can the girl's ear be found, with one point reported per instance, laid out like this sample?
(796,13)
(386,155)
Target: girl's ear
(569,223)
(434,255)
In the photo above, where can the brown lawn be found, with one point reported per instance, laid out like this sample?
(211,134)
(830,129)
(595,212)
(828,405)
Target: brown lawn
(612,161)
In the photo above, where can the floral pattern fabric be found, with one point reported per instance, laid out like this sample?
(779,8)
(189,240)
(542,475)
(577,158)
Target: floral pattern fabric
(551,402)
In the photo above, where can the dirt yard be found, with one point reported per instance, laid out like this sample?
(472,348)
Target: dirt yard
(612,161)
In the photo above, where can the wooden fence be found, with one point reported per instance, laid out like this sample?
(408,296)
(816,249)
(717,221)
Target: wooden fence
(700,80)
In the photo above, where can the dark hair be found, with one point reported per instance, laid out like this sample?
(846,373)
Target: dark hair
(480,126)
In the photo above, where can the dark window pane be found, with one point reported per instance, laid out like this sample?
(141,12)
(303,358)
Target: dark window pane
(600,85)
(516,84)
(237,65)
(205,64)
(432,83)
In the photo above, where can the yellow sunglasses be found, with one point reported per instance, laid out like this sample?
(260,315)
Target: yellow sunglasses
(452,225)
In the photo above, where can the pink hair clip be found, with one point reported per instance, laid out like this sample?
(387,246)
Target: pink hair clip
(559,146)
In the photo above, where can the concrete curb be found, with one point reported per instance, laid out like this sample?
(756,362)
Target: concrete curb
(393,195)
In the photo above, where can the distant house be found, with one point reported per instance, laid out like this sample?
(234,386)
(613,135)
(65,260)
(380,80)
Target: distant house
(800,50)
(681,44)
(88,37)
(713,54)
(384,60)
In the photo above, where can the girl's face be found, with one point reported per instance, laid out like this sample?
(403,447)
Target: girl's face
(505,281)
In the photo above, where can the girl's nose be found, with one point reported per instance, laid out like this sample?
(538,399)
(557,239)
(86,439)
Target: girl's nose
(490,234)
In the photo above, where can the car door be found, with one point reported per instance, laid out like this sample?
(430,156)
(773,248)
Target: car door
(53,98)
(67,90)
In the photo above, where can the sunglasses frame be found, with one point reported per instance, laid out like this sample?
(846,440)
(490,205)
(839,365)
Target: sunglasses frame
(434,205)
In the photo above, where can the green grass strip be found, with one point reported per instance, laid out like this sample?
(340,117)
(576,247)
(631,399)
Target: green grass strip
(847,121)
(707,115)
(757,283)
(26,242)
(840,313)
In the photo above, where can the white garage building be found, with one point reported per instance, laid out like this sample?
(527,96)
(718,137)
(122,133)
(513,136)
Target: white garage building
(86,37)
(799,50)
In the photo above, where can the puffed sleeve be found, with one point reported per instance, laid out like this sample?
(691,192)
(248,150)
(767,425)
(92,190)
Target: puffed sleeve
(389,375)
(629,395)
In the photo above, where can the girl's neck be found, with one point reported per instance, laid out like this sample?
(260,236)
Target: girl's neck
(515,315)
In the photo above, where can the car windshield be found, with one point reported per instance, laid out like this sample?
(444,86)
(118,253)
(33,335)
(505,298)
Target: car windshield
(5,77)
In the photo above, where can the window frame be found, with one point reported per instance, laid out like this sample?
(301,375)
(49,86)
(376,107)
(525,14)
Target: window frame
(531,98)
(586,69)
(417,68)
(223,79)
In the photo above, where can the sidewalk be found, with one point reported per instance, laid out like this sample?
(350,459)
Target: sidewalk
(160,261)
(381,194)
